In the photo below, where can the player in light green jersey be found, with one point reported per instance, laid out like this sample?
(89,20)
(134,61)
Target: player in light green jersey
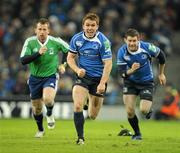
(41,53)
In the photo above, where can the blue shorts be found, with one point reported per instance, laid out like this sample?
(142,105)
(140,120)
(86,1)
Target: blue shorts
(36,85)
(91,84)
(145,91)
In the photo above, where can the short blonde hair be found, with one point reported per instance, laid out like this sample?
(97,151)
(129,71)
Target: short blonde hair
(91,16)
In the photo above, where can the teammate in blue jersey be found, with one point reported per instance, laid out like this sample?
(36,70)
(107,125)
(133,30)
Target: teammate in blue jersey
(93,68)
(134,63)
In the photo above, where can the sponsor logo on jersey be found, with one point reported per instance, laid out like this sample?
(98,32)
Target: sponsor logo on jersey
(51,51)
(144,56)
(79,43)
(108,52)
(95,46)
(86,52)
(127,58)
(35,50)
(152,47)
(107,45)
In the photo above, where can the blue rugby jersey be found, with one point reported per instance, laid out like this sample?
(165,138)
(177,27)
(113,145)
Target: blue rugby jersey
(91,52)
(143,56)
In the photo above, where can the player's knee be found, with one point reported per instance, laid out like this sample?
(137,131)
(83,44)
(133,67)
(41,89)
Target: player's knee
(37,110)
(77,108)
(48,101)
(130,113)
(144,111)
(93,117)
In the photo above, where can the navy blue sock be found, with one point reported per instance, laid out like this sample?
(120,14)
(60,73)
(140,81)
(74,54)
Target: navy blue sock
(39,121)
(79,123)
(134,124)
(49,110)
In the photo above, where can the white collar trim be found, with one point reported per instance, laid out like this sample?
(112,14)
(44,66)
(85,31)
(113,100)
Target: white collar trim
(44,44)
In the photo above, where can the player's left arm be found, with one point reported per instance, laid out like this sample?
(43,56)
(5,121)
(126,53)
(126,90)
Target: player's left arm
(64,47)
(156,52)
(63,65)
(105,75)
(162,59)
(106,71)
(106,56)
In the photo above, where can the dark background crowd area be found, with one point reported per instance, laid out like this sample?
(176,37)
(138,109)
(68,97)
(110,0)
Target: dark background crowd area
(157,21)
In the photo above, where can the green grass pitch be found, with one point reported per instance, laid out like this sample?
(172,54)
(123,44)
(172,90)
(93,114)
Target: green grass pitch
(17,136)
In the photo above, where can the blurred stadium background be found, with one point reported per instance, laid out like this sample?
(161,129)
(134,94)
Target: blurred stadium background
(157,21)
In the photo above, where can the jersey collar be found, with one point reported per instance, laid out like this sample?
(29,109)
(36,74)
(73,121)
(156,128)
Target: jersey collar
(92,39)
(44,44)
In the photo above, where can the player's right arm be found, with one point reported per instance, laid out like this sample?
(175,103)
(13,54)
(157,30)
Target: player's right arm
(133,68)
(26,56)
(72,64)
(71,57)
(123,69)
(124,72)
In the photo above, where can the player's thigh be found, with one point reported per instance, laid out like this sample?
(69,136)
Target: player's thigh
(37,106)
(130,104)
(95,104)
(49,94)
(50,88)
(79,94)
(130,93)
(129,100)
(145,105)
